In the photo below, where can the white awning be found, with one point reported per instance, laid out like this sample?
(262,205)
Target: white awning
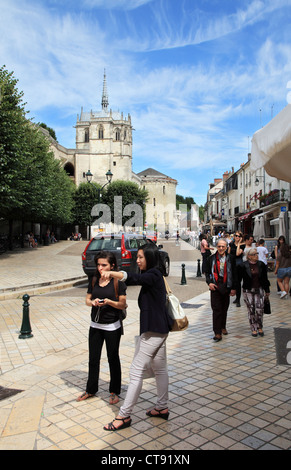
(274,221)
(271,146)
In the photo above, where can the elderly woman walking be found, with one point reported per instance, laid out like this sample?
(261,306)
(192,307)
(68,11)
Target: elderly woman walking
(255,287)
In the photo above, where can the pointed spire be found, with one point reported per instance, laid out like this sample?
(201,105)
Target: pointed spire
(104,101)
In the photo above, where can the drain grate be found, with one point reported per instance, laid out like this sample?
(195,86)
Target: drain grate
(8,392)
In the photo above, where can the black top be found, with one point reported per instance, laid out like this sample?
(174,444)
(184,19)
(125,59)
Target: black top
(105,314)
(233,248)
(257,277)
(151,301)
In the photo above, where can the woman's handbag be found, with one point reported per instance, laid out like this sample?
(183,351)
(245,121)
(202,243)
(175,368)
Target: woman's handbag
(267,306)
(175,311)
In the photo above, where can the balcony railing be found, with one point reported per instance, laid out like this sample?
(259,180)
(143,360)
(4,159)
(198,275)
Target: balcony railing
(270,198)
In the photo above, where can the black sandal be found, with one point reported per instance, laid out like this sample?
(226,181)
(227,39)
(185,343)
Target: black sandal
(159,414)
(111,426)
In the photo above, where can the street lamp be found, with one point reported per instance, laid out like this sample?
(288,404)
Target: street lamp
(89,176)
(109,176)
(257,181)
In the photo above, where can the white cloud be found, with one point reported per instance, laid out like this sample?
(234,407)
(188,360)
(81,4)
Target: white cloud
(188,109)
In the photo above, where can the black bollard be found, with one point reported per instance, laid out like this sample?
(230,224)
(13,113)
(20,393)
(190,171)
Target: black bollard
(183,278)
(25,331)
(198,269)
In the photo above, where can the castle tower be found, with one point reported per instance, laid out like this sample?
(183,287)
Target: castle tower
(103,142)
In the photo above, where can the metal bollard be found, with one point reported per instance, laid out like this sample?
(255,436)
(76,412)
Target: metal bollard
(183,278)
(25,331)
(198,269)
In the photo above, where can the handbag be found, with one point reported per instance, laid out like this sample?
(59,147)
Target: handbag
(267,306)
(175,311)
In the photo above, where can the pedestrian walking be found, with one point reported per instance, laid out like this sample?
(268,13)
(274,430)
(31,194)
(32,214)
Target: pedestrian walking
(205,251)
(105,325)
(221,278)
(255,287)
(155,325)
(236,250)
(283,268)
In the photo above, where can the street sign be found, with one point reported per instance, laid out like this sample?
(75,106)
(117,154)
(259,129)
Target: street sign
(283,209)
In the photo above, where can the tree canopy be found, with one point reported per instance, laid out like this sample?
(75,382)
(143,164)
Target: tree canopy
(33,185)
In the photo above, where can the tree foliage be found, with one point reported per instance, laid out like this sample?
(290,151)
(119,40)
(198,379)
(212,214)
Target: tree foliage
(130,193)
(85,198)
(33,186)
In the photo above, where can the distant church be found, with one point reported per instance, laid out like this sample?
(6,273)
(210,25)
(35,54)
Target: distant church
(104,142)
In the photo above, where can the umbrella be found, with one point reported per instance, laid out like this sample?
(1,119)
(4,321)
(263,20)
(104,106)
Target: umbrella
(282,226)
(262,228)
(256,227)
(271,146)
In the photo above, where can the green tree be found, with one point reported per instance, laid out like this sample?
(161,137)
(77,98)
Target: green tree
(130,193)
(85,198)
(184,200)
(50,130)
(33,186)
(12,159)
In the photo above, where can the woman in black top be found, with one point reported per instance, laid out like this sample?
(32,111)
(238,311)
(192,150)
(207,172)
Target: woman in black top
(236,250)
(105,325)
(155,325)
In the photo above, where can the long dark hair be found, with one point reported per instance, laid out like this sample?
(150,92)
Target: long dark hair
(281,238)
(285,250)
(110,257)
(151,254)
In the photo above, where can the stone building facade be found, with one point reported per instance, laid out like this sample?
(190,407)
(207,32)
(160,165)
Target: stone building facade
(104,142)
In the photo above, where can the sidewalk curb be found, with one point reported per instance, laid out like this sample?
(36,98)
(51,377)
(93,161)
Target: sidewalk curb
(36,289)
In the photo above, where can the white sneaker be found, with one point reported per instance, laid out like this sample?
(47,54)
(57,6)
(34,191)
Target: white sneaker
(283,294)
(279,292)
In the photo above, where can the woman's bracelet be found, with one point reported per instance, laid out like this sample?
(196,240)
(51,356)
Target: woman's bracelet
(124,276)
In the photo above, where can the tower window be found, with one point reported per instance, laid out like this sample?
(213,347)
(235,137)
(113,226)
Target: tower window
(101,133)
(86,135)
(117,134)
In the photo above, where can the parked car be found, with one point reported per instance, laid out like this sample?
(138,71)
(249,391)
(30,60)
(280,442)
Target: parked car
(125,247)
(152,236)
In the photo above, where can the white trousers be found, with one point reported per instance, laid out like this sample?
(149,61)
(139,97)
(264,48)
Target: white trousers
(151,354)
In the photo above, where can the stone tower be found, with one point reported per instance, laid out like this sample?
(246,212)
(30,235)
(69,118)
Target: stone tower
(103,142)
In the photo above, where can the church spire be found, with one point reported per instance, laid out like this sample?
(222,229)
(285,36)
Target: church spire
(104,101)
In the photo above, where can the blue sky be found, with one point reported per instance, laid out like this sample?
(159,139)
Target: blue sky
(198,77)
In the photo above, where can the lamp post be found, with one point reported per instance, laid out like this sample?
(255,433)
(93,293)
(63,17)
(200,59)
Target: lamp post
(257,180)
(109,176)
(89,176)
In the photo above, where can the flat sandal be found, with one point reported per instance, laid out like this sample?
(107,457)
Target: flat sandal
(85,396)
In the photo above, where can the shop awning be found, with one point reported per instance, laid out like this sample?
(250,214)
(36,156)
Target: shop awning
(248,214)
(271,146)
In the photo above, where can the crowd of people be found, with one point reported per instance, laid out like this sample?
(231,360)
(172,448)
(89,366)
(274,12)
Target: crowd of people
(238,261)
(238,268)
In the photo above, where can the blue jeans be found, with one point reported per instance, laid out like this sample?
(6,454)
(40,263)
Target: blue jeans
(283,272)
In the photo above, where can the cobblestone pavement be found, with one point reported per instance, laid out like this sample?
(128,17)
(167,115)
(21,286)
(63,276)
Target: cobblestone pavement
(232,395)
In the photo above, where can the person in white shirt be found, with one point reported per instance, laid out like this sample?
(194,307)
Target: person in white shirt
(262,251)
